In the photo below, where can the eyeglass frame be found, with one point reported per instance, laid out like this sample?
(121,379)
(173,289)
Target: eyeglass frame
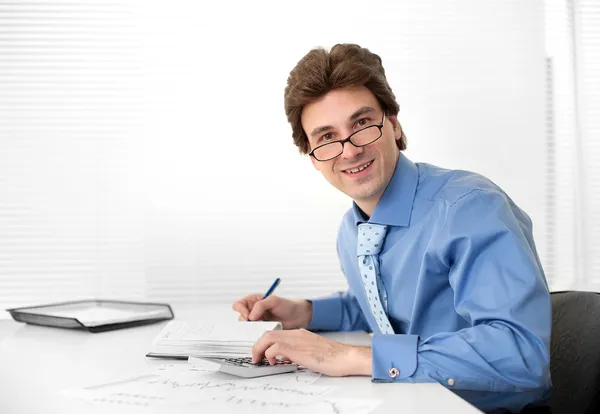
(349,139)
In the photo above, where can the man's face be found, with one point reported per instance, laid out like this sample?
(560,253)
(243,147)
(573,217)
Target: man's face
(334,117)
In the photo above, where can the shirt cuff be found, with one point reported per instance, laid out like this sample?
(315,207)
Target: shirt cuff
(326,314)
(394,357)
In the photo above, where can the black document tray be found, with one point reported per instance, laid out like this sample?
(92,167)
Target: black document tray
(95,315)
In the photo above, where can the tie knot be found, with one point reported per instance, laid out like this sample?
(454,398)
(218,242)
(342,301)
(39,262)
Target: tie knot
(370,238)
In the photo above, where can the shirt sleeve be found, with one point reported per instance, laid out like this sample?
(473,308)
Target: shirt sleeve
(338,312)
(499,288)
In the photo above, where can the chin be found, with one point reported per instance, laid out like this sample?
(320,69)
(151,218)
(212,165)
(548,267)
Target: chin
(361,193)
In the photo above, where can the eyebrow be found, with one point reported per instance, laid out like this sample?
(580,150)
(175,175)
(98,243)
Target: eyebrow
(359,112)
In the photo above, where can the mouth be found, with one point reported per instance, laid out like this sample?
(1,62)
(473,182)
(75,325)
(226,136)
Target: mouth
(359,170)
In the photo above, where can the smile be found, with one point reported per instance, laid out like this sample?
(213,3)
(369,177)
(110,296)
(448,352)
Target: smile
(359,168)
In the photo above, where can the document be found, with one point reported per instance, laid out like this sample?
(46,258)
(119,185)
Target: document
(202,338)
(186,391)
(291,379)
(179,367)
(313,406)
(103,315)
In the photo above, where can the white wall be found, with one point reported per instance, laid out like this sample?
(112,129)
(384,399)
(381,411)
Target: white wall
(175,177)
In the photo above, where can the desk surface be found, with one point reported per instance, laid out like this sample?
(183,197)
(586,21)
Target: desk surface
(36,363)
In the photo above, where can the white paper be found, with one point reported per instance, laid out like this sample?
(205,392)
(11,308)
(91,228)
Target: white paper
(186,390)
(188,385)
(103,315)
(198,332)
(224,339)
(292,379)
(179,385)
(168,369)
(312,406)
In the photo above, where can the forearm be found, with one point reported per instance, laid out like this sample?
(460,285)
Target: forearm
(360,360)
(304,312)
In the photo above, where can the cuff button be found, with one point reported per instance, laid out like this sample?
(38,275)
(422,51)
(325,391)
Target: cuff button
(451,381)
(394,372)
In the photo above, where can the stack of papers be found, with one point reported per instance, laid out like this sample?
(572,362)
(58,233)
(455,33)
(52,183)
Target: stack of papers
(202,339)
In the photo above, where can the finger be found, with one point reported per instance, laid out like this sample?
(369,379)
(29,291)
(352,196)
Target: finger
(239,307)
(294,345)
(246,302)
(263,343)
(243,313)
(276,349)
(262,306)
(244,305)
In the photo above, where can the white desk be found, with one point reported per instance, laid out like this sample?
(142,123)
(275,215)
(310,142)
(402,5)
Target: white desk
(38,362)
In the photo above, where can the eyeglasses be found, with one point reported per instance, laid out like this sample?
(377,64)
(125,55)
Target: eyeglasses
(360,138)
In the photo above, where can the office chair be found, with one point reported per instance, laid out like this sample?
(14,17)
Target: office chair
(575,353)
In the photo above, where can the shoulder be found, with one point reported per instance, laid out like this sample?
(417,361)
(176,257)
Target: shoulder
(467,198)
(471,205)
(450,187)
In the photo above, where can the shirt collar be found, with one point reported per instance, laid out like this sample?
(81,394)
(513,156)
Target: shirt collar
(396,203)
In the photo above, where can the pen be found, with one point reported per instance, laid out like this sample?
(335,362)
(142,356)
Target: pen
(271,290)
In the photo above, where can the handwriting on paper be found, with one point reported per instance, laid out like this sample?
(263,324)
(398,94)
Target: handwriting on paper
(291,379)
(189,386)
(302,377)
(183,391)
(234,386)
(123,398)
(329,406)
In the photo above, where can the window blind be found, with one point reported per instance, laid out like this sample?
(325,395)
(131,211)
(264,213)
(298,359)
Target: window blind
(144,153)
(586,39)
(572,44)
(69,102)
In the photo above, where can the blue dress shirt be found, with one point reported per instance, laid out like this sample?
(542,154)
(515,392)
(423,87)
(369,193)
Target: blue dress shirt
(467,296)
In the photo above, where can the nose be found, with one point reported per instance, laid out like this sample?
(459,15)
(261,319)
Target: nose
(350,151)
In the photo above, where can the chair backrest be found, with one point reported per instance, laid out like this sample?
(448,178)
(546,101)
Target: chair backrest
(575,353)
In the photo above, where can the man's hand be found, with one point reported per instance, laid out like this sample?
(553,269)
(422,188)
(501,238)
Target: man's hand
(314,352)
(292,314)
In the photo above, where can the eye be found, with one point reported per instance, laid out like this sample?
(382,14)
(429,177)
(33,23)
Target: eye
(328,136)
(362,122)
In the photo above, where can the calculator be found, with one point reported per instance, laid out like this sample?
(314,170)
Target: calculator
(243,367)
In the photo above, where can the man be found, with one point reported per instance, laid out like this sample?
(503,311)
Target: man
(441,265)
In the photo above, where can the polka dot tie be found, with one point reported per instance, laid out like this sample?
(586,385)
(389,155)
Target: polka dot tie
(370,240)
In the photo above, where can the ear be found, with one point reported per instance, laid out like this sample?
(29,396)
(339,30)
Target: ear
(396,126)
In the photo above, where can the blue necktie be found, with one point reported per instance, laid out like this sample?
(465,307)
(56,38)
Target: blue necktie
(370,240)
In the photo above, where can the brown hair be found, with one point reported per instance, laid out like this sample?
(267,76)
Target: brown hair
(319,72)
